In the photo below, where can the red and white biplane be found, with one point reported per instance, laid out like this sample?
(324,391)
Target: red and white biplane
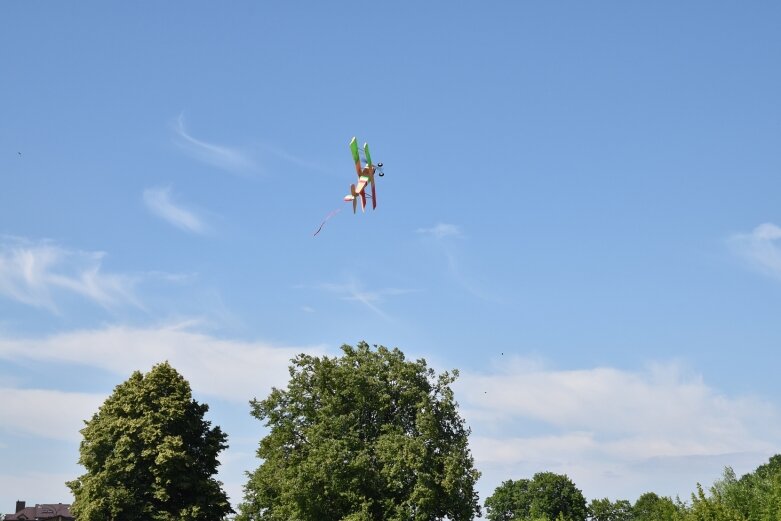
(365,177)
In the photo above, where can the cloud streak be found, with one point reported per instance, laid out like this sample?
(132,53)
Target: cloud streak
(441,230)
(441,236)
(158,201)
(602,426)
(623,404)
(761,248)
(249,368)
(352,290)
(292,158)
(33,273)
(220,156)
(47,413)
(20,482)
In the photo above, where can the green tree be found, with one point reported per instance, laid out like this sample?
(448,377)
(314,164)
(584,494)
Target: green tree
(711,508)
(606,510)
(652,507)
(150,455)
(367,436)
(756,496)
(555,495)
(770,469)
(546,495)
(509,501)
(764,491)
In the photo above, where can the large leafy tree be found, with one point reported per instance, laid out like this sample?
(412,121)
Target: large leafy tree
(368,436)
(149,454)
(652,507)
(545,496)
(756,496)
(510,501)
(606,510)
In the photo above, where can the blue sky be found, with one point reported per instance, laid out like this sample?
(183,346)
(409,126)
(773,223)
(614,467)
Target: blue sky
(580,212)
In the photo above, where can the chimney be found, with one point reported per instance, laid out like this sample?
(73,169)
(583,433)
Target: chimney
(19,506)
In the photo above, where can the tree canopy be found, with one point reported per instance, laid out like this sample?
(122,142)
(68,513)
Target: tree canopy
(652,507)
(756,496)
(606,510)
(149,454)
(367,436)
(546,496)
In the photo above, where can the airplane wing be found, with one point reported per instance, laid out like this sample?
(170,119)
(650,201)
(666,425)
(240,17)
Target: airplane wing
(366,152)
(374,196)
(370,166)
(356,158)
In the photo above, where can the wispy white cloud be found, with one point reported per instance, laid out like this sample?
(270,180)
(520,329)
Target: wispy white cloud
(34,272)
(602,425)
(158,201)
(36,486)
(292,158)
(473,287)
(174,278)
(441,236)
(761,248)
(248,368)
(441,230)
(353,290)
(693,419)
(220,156)
(47,413)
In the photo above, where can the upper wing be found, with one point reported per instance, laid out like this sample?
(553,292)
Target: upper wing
(366,152)
(356,158)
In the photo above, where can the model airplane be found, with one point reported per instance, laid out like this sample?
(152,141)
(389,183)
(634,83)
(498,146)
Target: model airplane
(365,177)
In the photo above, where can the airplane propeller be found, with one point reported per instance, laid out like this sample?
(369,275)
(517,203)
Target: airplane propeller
(354,196)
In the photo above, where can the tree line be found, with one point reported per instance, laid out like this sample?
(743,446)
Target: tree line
(756,496)
(366,436)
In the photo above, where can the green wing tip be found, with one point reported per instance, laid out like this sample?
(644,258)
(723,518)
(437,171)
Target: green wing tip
(366,151)
(354,149)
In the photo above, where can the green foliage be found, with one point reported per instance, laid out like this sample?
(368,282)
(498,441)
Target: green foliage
(606,510)
(769,470)
(546,495)
(652,507)
(509,501)
(555,495)
(150,455)
(754,497)
(367,436)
